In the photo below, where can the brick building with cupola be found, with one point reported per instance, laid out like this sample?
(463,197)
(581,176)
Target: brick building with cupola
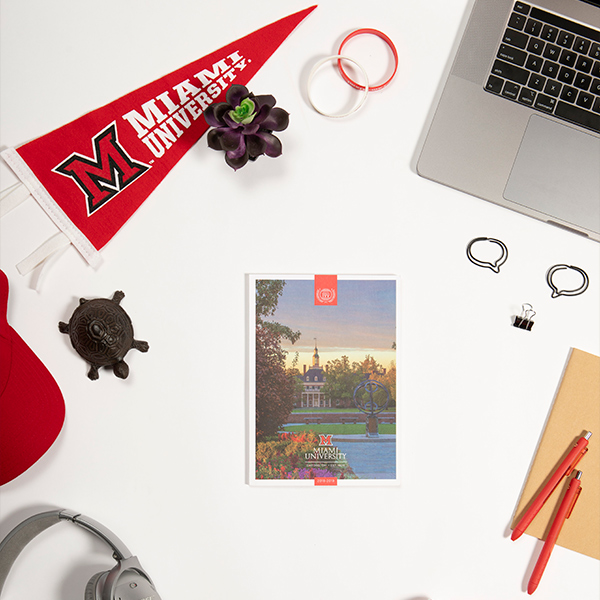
(313,380)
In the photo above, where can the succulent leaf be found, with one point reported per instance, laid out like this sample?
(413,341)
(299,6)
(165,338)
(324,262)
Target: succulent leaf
(243,126)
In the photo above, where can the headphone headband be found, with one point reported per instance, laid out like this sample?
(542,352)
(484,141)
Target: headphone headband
(12,545)
(120,550)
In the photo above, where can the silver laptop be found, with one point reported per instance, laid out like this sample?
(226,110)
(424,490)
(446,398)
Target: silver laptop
(518,122)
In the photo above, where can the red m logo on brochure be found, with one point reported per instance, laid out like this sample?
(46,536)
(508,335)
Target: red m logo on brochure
(325,440)
(325,290)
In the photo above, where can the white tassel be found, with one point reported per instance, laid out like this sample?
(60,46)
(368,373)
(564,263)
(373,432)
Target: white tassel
(11,197)
(57,242)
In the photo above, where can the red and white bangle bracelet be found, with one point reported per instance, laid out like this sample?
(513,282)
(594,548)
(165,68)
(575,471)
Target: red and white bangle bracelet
(386,39)
(364,87)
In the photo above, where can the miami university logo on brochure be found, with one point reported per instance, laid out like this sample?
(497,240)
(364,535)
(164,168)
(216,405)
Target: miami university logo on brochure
(326,290)
(110,171)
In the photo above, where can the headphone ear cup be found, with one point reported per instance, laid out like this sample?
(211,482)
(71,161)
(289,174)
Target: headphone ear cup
(91,587)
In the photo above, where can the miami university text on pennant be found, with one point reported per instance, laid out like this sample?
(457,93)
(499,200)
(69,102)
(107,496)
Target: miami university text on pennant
(92,174)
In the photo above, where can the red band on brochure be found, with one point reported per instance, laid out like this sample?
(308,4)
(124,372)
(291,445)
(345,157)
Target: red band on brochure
(325,290)
(325,480)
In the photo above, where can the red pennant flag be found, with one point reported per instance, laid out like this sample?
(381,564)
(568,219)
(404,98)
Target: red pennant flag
(92,174)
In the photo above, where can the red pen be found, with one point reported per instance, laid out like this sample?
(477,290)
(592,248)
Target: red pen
(564,470)
(564,512)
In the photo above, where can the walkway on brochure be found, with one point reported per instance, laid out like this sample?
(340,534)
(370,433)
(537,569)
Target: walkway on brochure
(368,457)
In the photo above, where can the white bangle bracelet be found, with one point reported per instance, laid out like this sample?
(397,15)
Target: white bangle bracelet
(365,90)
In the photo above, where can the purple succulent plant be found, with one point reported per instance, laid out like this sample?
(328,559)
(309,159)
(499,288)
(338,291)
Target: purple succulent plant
(243,126)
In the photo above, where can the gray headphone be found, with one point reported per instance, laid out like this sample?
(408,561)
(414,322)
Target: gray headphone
(126,581)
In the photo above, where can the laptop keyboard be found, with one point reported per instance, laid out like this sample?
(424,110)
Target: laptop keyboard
(551,64)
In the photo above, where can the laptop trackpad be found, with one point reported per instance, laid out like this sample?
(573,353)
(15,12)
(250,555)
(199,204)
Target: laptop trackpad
(557,172)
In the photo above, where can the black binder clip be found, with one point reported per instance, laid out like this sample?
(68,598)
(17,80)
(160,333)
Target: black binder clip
(523,321)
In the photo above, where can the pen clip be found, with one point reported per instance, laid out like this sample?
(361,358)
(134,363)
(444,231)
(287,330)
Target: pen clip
(574,502)
(576,462)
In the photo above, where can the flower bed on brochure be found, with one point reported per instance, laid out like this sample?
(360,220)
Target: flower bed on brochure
(286,458)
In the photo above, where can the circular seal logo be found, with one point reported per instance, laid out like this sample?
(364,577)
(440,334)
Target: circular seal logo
(326,295)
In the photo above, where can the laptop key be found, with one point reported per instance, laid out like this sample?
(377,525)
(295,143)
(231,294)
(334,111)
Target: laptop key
(596,106)
(566,75)
(522,8)
(511,90)
(527,96)
(512,55)
(595,51)
(565,39)
(533,27)
(551,52)
(582,45)
(550,69)
(535,46)
(545,103)
(595,87)
(515,38)
(534,63)
(508,71)
(582,81)
(552,88)
(584,63)
(494,84)
(577,115)
(569,94)
(537,82)
(568,58)
(517,21)
(549,33)
(585,100)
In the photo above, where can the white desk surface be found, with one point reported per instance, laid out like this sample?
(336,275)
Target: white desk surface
(161,457)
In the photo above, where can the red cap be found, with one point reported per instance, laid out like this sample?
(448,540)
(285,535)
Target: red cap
(32,409)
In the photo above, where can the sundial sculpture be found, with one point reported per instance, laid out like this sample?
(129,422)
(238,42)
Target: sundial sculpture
(364,400)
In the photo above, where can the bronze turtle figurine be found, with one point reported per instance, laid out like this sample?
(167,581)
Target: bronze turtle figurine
(102,334)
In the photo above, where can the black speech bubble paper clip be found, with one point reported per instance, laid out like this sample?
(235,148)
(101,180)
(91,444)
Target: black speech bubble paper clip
(494,266)
(575,292)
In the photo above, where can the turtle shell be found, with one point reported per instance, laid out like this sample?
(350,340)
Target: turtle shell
(101,332)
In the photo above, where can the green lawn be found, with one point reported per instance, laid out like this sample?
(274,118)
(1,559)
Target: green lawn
(341,429)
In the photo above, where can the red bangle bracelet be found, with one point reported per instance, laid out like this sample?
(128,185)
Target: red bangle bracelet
(387,40)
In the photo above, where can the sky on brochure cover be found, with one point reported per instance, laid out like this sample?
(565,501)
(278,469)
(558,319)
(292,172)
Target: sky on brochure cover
(363,322)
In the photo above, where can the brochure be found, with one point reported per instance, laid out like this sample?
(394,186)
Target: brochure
(322,380)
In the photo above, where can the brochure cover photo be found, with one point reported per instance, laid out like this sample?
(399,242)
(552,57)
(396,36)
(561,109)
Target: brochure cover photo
(322,374)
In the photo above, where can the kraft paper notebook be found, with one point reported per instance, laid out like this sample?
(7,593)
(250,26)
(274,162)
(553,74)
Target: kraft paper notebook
(576,410)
